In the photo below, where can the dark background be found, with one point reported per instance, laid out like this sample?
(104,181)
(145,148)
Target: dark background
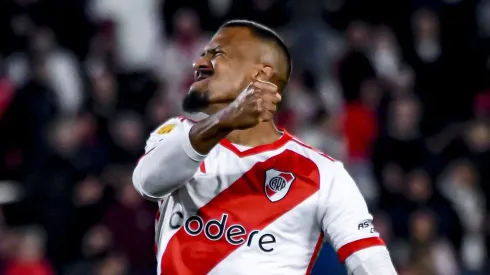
(397,90)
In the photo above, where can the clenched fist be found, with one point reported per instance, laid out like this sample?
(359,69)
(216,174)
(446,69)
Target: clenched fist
(256,104)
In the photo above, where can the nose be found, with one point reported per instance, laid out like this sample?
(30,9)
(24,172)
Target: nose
(202,63)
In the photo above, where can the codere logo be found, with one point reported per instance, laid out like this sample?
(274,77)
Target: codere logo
(214,230)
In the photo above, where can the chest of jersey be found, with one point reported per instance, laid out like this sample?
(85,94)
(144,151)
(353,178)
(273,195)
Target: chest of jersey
(246,207)
(234,199)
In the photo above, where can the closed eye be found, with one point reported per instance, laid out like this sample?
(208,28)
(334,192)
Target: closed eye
(213,52)
(218,52)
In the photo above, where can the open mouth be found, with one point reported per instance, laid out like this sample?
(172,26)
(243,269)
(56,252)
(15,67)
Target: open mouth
(202,74)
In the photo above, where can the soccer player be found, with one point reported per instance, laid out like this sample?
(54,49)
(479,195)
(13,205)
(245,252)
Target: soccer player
(237,195)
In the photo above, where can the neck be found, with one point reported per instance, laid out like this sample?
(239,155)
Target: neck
(263,133)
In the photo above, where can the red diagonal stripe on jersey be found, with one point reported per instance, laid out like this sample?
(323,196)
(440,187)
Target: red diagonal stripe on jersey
(314,256)
(246,204)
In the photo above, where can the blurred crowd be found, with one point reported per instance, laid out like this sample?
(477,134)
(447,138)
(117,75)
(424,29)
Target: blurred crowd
(397,90)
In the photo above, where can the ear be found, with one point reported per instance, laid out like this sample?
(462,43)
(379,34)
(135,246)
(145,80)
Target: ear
(265,72)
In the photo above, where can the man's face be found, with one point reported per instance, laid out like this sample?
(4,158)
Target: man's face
(226,66)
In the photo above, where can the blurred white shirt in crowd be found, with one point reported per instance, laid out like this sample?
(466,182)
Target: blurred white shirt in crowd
(65,79)
(63,76)
(469,203)
(137,29)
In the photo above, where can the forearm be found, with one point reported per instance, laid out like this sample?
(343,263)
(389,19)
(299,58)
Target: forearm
(208,132)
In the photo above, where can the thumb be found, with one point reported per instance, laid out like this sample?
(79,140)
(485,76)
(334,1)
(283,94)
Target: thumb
(265,85)
(259,79)
(245,91)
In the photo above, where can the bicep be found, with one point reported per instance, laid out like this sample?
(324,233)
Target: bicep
(344,215)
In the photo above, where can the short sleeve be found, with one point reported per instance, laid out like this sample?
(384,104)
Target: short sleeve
(343,213)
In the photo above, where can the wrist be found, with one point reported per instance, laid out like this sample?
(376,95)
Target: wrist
(190,149)
(224,121)
(205,134)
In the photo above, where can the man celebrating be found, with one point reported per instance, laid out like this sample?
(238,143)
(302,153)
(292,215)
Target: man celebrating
(237,195)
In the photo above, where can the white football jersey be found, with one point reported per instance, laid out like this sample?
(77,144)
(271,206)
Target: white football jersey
(264,210)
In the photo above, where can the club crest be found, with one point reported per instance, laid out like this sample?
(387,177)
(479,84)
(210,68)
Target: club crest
(277,184)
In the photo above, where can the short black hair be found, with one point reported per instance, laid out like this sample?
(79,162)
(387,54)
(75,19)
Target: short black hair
(265,33)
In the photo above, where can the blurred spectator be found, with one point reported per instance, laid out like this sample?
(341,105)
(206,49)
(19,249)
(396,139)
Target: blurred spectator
(103,102)
(460,186)
(160,109)
(62,69)
(421,194)
(361,123)
(478,137)
(360,126)
(126,132)
(331,95)
(137,29)
(430,254)
(175,59)
(62,72)
(29,258)
(314,45)
(355,66)
(114,264)
(386,56)
(135,238)
(87,209)
(220,8)
(96,245)
(301,99)
(33,106)
(426,32)
(326,135)
(474,144)
(402,144)
(50,186)
(398,249)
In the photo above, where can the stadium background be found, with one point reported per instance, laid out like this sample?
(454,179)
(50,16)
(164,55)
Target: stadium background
(397,90)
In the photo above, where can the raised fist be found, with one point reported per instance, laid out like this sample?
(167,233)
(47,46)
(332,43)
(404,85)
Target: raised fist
(256,104)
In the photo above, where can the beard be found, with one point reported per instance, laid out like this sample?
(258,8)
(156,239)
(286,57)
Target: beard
(195,101)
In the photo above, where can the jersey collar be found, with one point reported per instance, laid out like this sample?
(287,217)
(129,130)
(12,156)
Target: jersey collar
(258,149)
